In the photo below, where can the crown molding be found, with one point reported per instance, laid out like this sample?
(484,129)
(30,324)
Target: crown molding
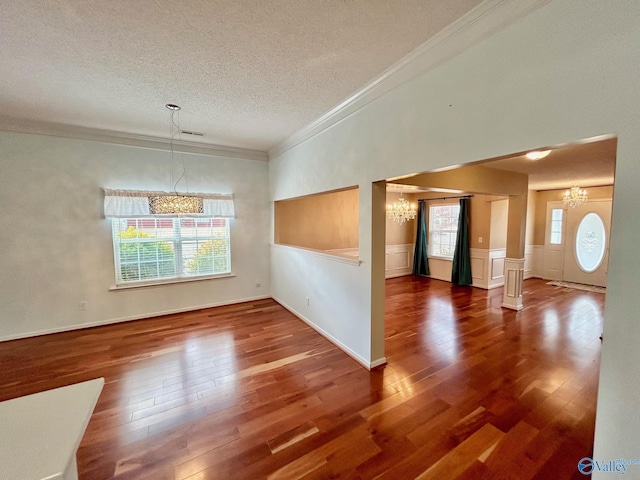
(481,22)
(120,138)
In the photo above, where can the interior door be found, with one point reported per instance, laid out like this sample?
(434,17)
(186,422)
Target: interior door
(586,249)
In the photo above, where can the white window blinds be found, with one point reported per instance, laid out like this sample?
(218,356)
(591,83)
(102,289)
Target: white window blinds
(153,249)
(443,229)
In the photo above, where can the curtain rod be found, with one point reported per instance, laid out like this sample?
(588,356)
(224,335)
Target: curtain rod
(443,198)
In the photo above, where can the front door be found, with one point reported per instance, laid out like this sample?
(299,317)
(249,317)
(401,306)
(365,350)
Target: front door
(586,245)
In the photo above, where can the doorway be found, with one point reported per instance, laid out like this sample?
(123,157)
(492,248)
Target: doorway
(577,242)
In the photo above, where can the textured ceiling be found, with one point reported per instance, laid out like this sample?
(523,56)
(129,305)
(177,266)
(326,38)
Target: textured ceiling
(247,73)
(587,164)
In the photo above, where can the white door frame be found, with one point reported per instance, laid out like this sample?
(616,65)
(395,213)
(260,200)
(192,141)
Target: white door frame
(572,271)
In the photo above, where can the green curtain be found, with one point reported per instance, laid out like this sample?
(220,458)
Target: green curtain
(461,273)
(420,260)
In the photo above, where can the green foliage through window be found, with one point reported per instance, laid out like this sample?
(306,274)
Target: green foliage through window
(145,260)
(443,229)
(153,248)
(211,257)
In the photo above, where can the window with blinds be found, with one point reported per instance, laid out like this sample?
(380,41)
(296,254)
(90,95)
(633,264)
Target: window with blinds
(443,230)
(152,249)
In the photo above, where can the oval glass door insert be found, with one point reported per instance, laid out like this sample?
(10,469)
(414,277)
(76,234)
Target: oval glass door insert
(590,242)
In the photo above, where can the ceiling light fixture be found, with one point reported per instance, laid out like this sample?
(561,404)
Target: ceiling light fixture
(575,197)
(175,203)
(401,211)
(538,154)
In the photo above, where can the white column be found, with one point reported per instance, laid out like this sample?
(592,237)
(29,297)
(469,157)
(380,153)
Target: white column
(378,256)
(513,278)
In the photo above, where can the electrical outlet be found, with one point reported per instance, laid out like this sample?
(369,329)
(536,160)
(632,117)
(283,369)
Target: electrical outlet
(479,239)
(307,300)
(82,306)
(258,283)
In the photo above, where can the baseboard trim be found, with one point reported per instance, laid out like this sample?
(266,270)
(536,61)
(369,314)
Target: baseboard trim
(362,361)
(527,277)
(130,318)
(396,275)
(512,307)
(378,363)
(368,365)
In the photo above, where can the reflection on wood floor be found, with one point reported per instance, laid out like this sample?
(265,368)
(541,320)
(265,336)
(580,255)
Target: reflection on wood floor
(249,391)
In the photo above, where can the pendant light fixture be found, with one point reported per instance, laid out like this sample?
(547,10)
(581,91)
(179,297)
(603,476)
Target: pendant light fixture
(175,203)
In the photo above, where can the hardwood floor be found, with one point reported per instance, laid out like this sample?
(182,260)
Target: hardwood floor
(471,391)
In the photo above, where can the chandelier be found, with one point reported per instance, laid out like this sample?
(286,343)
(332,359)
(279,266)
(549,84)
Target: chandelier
(575,197)
(175,204)
(401,211)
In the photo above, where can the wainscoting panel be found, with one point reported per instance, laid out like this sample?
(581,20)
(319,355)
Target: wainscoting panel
(496,261)
(487,267)
(533,260)
(497,268)
(479,267)
(399,260)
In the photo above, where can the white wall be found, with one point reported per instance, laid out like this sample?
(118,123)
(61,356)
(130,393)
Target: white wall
(566,72)
(57,249)
(305,274)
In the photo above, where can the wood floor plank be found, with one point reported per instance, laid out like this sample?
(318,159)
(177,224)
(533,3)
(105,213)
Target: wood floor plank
(292,437)
(248,391)
(458,460)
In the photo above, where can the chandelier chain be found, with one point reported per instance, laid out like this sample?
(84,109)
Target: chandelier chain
(174,130)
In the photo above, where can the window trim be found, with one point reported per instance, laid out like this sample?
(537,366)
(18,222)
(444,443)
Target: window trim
(431,255)
(168,281)
(177,258)
(561,222)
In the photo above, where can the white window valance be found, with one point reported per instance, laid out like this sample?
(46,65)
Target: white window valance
(139,203)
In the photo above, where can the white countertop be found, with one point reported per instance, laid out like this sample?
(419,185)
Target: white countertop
(40,433)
